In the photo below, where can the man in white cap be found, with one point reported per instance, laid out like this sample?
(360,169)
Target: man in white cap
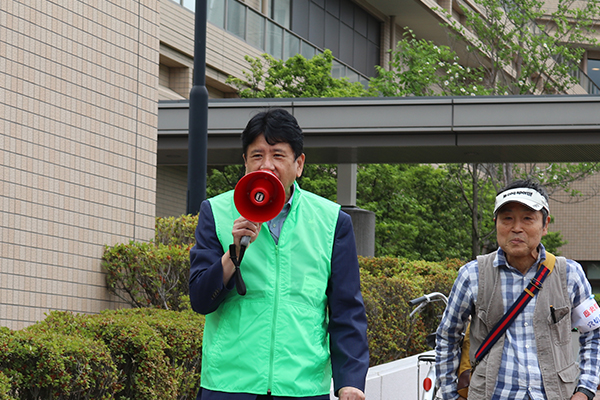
(534,358)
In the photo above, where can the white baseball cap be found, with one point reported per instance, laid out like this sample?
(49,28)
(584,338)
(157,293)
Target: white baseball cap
(529,197)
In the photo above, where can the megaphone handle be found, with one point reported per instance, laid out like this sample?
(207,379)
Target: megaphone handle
(244,242)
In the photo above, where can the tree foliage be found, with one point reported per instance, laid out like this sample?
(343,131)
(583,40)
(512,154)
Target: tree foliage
(416,209)
(296,77)
(526,47)
(420,67)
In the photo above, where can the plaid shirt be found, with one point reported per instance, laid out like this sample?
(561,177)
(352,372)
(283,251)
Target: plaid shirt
(519,376)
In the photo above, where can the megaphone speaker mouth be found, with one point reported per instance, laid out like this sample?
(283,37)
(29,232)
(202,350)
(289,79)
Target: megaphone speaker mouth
(259,196)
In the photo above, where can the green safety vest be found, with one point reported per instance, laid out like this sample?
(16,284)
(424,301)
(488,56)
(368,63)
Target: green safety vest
(275,337)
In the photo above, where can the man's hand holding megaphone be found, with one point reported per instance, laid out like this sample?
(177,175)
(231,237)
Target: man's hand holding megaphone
(241,228)
(259,197)
(244,228)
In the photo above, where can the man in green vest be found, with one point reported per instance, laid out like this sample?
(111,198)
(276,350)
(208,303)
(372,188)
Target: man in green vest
(302,321)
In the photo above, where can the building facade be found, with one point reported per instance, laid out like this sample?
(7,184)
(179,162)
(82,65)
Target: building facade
(78,117)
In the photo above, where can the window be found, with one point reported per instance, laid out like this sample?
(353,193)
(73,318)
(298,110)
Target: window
(307,50)
(280,12)
(190,4)
(236,18)
(350,32)
(291,45)
(256,30)
(216,13)
(593,71)
(274,40)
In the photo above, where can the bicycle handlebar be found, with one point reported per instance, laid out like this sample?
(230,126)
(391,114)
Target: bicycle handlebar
(435,296)
(418,300)
(422,301)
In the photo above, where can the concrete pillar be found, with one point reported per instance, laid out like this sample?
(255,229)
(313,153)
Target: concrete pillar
(346,184)
(363,221)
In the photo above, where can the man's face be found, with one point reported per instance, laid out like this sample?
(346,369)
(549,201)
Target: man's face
(278,158)
(519,231)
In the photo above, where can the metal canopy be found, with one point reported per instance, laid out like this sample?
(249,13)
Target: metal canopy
(564,128)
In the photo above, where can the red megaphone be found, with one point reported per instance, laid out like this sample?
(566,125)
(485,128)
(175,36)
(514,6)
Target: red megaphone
(259,196)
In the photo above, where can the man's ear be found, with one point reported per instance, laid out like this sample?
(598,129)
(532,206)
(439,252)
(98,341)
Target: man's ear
(545,230)
(300,165)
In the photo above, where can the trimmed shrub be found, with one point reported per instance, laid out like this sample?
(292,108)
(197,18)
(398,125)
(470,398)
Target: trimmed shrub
(51,365)
(388,284)
(5,387)
(148,275)
(182,332)
(387,317)
(157,353)
(176,231)
(153,274)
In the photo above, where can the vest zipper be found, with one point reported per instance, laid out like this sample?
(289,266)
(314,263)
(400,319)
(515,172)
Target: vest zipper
(274,321)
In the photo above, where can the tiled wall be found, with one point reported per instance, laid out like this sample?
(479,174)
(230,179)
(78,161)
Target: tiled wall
(78,116)
(171,191)
(577,218)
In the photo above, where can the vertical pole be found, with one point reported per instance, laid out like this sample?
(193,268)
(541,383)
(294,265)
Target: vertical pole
(198,117)
(346,184)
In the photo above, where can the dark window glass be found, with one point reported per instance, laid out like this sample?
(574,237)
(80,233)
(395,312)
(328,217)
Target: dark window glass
(350,32)
(360,52)
(333,7)
(332,34)
(346,44)
(316,33)
(372,58)
(347,13)
(592,268)
(374,31)
(300,18)
(360,22)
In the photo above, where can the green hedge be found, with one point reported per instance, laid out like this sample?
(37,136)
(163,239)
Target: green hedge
(153,274)
(176,231)
(133,354)
(148,274)
(388,284)
(5,387)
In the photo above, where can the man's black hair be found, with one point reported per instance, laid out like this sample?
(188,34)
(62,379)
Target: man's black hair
(278,126)
(530,184)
